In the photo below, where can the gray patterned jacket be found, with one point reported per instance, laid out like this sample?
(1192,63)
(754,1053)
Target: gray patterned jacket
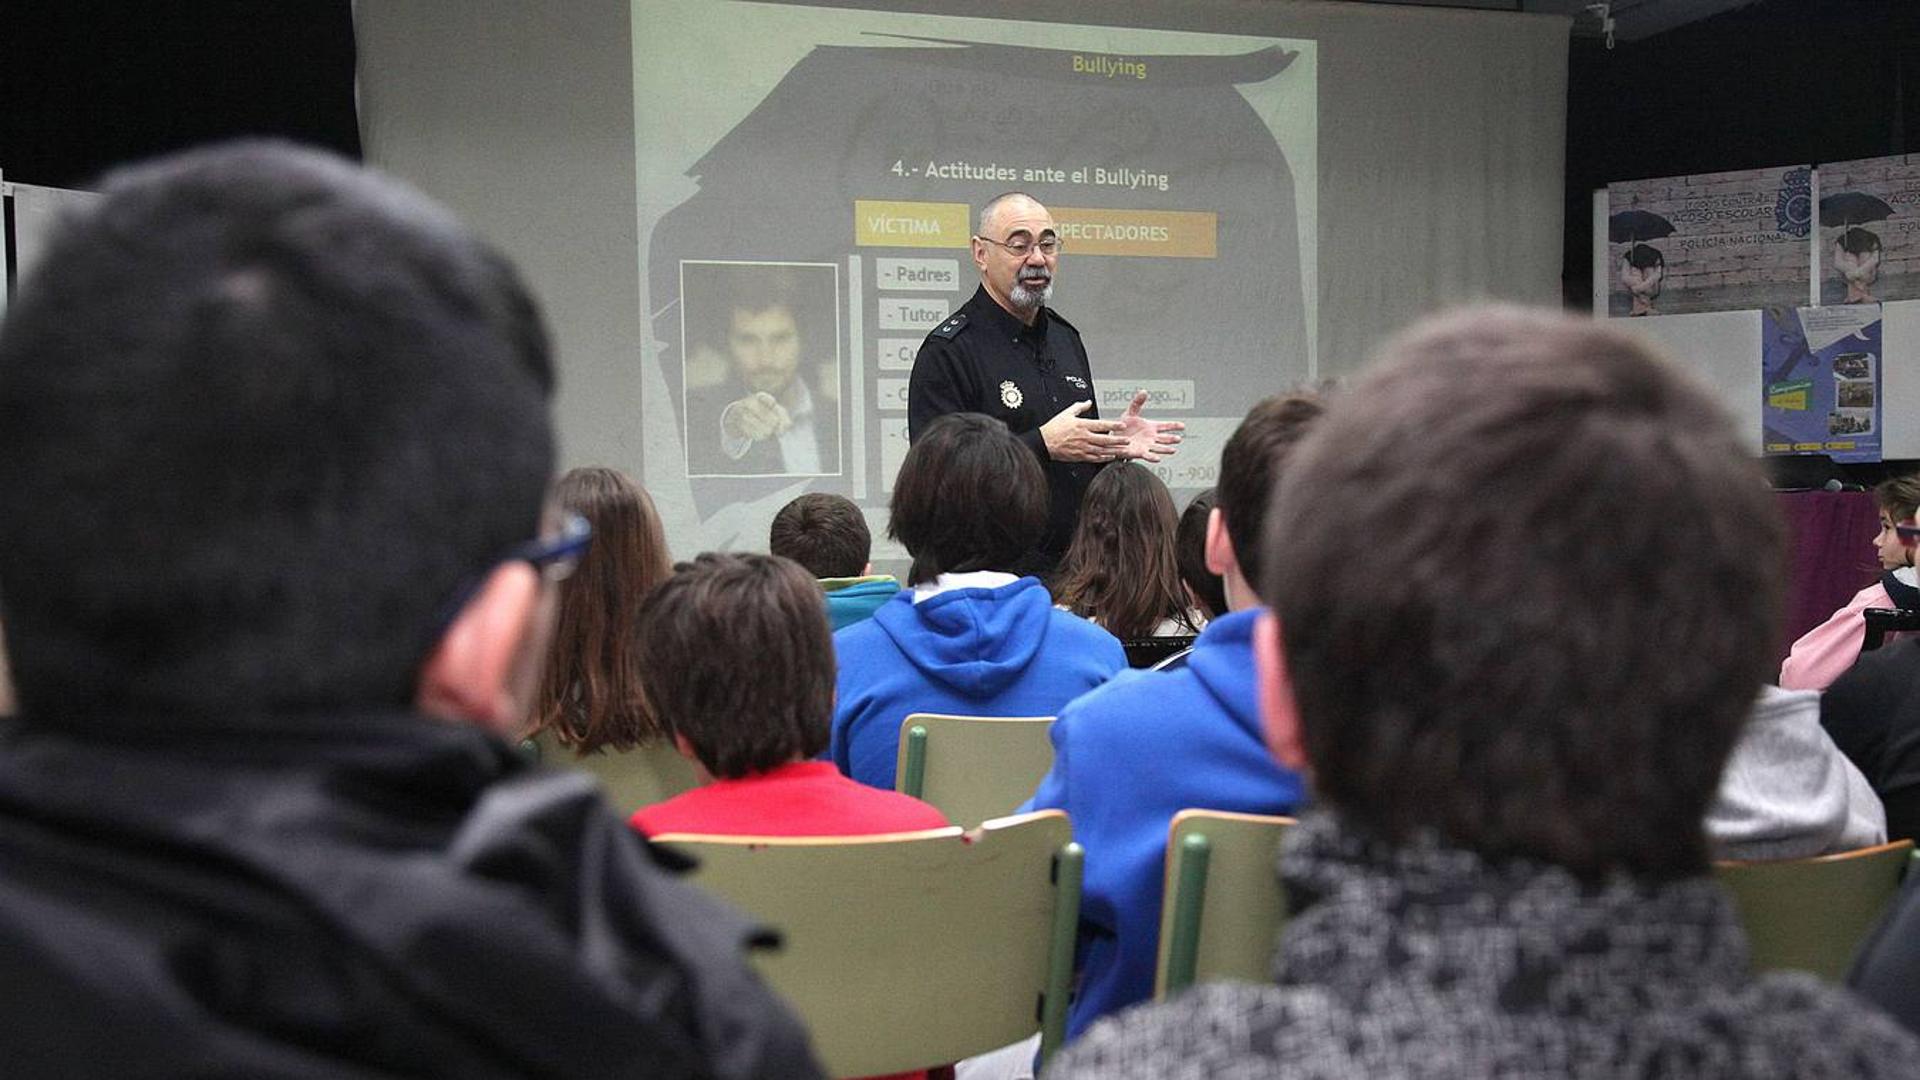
(1428,961)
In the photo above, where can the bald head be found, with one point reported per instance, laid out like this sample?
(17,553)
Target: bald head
(1000,205)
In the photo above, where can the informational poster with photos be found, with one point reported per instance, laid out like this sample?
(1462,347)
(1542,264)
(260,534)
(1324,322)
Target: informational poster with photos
(1869,247)
(1730,241)
(1820,375)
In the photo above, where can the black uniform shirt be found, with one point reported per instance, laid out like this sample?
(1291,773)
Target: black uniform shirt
(984,360)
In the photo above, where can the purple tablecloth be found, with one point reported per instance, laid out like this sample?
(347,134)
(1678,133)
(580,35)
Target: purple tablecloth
(1829,556)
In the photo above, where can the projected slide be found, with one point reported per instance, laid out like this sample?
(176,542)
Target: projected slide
(808,179)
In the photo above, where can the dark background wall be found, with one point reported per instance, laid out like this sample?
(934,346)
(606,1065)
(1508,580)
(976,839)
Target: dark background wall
(88,84)
(1781,82)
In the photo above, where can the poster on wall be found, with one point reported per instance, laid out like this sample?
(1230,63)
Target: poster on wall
(1820,377)
(1729,241)
(1869,247)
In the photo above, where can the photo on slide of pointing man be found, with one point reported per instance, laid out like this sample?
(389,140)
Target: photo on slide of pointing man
(762,378)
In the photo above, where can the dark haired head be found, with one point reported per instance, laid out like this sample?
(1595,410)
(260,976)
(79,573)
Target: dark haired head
(1120,569)
(1899,496)
(739,662)
(1250,466)
(261,413)
(825,533)
(1645,257)
(590,691)
(1858,241)
(1526,579)
(970,496)
(1190,553)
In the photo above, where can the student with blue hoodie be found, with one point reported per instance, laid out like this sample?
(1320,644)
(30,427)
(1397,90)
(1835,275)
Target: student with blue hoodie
(828,535)
(964,637)
(1140,749)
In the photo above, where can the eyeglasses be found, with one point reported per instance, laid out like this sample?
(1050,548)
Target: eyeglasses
(1909,534)
(555,557)
(1019,247)
(552,557)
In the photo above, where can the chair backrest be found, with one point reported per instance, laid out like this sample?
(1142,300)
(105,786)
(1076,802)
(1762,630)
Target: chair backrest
(1224,905)
(973,767)
(1812,914)
(913,950)
(1883,621)
(1148,651)
(631,779)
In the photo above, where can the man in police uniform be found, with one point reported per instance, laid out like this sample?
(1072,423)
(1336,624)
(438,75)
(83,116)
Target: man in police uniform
(1006,354)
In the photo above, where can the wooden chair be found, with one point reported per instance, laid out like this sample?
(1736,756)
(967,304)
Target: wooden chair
(913,950)
(1150,651)
(1813,914)
(1224,903)
(631,779)
(973,767)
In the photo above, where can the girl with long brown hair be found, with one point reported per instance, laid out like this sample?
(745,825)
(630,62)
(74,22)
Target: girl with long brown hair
(1121,570)
(590,696)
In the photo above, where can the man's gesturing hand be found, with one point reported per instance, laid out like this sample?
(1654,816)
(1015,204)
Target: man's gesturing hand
(756,416)
(1070,438)
(1148,440)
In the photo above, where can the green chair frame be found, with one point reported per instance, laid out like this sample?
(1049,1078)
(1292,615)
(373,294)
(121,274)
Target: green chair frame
(1224,904)
(913,950)
(973,768)
(630,779)
(1814,914)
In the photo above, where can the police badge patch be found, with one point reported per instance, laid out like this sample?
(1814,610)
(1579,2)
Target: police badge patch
(1010,395)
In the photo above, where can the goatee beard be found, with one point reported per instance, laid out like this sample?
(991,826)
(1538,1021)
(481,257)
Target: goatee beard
(1027,298)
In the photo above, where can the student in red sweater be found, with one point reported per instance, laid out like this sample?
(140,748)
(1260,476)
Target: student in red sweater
(738,666)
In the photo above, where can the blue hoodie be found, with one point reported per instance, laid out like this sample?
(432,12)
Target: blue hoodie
(1129,756)
(851,599)
(971,652)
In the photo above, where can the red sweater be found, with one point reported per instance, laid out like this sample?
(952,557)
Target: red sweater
(804,798)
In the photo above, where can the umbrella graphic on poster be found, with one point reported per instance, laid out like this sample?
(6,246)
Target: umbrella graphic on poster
(1642,265)
(1857,250)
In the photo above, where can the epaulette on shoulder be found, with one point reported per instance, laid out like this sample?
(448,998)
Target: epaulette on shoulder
(950,329)
(1056,317)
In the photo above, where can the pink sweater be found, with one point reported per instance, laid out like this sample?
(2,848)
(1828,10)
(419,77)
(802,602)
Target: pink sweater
(1825,652)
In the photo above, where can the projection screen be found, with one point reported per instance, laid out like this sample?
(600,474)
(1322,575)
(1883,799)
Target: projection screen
(828,164)
(1254,193)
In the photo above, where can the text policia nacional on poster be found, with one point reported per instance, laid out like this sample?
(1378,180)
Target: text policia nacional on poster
(808,179)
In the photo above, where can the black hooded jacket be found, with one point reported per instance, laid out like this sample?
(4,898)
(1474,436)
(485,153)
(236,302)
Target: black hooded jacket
(351,896)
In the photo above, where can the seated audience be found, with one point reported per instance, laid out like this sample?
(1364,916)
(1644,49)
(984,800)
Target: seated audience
(828,535)
(257,815)
(1789,793)
(1825,652)
(1873,714)
(1120,570)
(739,663)
(1206,590)
(1514,733)
(965,636)
(589,698)
(1143,747)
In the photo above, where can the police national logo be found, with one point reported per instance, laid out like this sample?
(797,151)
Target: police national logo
(1010,395)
